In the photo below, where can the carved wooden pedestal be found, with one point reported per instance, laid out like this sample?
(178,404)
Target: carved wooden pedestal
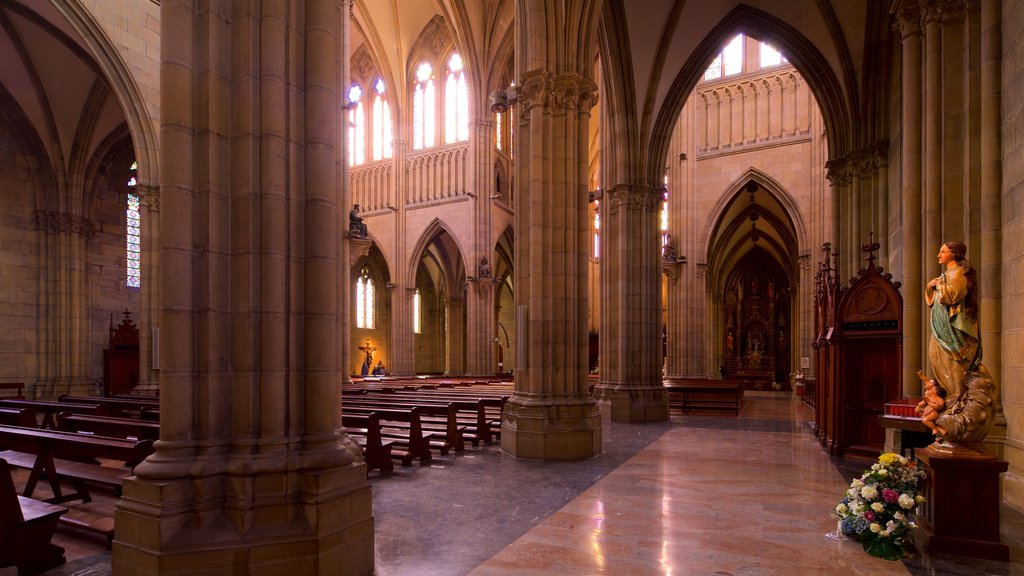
(961,513)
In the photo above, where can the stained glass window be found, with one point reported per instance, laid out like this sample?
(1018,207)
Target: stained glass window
(456,102)
(133,233)
(381,122)
(356,127)
(728,62)
(664,213)
(597,229)
(424,102)
(497,130)
(364,300)
(770,56)
(417,306)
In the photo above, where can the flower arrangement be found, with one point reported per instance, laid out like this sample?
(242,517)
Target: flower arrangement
(879,507)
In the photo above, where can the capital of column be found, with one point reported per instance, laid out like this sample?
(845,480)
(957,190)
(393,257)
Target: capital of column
(839,172)
(562,94)
(907,21)
(409,293)
(64,223)
(149,196)
(633,197)
(944,10)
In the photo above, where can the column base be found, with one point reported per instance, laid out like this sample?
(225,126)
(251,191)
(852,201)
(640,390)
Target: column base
(624,403)
(551,431)
(327,528)
(960,515)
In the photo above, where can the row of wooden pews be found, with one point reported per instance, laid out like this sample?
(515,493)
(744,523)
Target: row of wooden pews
(440,414)
(84,441)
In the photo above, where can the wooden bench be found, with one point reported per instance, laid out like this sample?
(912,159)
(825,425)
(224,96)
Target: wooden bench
(27,528)
(49,410)
(18,388)
(442,419)
(365,430)
(57,455)
(18,417)
(119,406)
(691,394)
(131,428)
(404,429)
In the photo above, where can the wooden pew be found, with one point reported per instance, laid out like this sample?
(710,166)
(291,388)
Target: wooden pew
(27,528)
(18,417)
(697,393)
(485,423)
(57,455)
(120,406)
(18,388)
(365,429)
(409,434)
(49,410)
(439,418)
(131,428)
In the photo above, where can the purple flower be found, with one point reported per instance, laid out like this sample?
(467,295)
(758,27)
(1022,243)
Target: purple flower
(890,495)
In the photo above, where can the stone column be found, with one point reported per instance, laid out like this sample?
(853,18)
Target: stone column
(149,308)
(455,334)
(403,360)
(252,471)
(932,142)
(551,416)
(630,387)
(481,328)
(991,261)
(64,363)
(908,22)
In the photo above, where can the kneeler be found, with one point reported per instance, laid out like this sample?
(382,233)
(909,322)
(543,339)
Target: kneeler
(27,526)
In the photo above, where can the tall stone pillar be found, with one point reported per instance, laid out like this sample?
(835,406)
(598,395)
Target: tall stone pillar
(908,22)
(149,308)
(481,327)
(403,354)
(64,363)
(991,261)
(551,415)
(252,471)
(455,335)
(932,140)
(403,344)
(630,387)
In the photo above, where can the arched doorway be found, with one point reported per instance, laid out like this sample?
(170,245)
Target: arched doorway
(439,305)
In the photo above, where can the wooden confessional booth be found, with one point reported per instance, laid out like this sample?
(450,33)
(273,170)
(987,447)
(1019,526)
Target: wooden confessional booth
(860,355)
(121,358)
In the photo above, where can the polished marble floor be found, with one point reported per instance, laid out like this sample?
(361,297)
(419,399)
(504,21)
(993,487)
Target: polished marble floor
(701,495)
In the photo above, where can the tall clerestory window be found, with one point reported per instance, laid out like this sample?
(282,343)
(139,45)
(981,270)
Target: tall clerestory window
(770,56)
(364,300)
(597,229)
(356,126)
(133,233)
(424,105)
(728,62)
(417,311)
(456,102)
(381,122)
(664,213)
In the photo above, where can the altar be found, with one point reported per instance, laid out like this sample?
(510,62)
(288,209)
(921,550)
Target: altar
(756,337)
